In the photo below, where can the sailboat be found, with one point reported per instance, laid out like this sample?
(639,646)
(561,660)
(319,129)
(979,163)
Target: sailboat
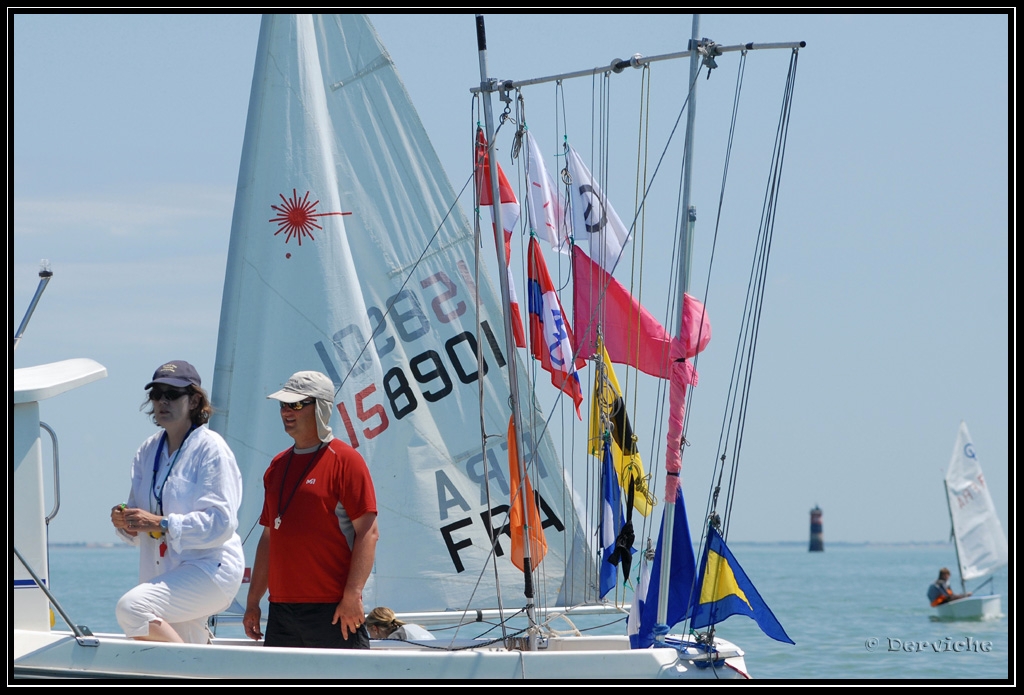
(349,255)
(977,533)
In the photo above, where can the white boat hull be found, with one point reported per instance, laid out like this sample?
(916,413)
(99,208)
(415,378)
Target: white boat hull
(971,608)
(60,655)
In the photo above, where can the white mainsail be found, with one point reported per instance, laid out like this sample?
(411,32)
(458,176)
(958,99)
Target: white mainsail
(343,222)
(980,541)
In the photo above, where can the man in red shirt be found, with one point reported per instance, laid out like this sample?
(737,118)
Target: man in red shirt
(320,529)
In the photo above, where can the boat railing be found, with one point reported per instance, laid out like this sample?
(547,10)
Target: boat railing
(56,472)
(83,635)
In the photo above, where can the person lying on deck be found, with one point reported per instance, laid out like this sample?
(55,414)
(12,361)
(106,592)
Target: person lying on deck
(382,624)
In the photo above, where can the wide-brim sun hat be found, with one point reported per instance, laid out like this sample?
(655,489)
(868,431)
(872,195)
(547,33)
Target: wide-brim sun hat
(305,385)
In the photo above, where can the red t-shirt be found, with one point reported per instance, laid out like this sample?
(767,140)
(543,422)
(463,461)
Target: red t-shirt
(310,550)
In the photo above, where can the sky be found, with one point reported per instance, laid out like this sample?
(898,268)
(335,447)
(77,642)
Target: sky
(887,317)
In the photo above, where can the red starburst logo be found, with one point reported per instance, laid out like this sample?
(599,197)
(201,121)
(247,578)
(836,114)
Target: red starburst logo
(297,218)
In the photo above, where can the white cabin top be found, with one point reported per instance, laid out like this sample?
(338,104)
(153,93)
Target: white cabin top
(54,378)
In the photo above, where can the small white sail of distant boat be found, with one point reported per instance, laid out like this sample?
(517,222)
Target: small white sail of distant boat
(980,541)
(978,536)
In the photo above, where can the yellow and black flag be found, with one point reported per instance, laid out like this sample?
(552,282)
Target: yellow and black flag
(607,409)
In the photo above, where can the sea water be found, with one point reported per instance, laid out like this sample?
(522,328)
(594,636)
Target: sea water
(855,611)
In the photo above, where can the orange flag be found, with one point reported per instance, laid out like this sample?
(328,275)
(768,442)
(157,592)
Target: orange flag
(538,544)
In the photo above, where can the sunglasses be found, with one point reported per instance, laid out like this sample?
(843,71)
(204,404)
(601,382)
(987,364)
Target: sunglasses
(299,405)
(156,393)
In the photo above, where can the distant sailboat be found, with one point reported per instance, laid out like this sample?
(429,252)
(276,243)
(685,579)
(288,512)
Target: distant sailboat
(978,536)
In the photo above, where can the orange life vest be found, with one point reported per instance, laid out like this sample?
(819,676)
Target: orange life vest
(943,598)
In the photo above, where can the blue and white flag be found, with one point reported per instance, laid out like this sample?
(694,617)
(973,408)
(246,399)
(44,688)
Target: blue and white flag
(612,520)
(681,583)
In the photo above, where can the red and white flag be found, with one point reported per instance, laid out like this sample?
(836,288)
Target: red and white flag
(550,335)
(509,217)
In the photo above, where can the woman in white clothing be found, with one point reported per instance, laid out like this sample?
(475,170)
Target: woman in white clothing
(381,623)
(182,513)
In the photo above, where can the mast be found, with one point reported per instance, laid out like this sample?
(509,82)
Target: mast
(956,539)
(44,279)
(685,232)
(487,86)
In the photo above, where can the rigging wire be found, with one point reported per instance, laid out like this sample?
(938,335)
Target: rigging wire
(629,470)
(734,418)
(766,233)
(712,499)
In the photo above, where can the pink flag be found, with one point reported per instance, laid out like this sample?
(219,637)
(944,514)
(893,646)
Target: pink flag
(550,336)
(631,334)
(509,217)
(694,337)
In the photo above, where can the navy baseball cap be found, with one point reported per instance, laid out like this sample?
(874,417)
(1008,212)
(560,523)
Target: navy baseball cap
(176,373)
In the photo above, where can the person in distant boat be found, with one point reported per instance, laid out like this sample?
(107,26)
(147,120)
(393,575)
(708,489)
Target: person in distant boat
(939,591)
(382,624)
(182,513)
(320,529)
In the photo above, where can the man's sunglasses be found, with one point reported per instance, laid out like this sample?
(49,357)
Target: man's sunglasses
(298,405)
(156,393)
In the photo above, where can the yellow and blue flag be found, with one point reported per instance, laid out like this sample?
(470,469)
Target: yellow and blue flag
(725,590)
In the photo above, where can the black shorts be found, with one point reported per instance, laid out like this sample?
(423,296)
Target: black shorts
(309,625)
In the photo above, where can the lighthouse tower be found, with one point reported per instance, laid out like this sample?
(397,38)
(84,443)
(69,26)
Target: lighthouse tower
(817,541)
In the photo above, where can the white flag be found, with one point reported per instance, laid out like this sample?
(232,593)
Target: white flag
(593,216)
(544,202)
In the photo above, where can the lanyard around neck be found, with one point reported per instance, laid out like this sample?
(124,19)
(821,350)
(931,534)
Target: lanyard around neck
(158,495)
(282,504)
